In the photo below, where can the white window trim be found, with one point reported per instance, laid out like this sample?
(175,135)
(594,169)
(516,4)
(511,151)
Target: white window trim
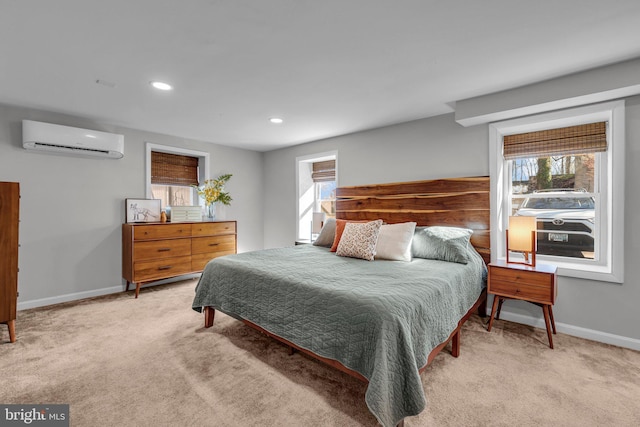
(610,267)
(203,163)
(310,158)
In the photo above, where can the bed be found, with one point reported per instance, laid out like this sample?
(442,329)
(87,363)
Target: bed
(380,321)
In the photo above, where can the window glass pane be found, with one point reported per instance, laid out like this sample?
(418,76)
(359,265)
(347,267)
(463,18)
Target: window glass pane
(326,198)
(173,195)
(559,191)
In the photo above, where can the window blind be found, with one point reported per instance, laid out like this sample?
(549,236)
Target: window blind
(173,169)
(587,138)
(324,171)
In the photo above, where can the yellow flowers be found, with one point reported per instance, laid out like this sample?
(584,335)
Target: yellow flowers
(212,190)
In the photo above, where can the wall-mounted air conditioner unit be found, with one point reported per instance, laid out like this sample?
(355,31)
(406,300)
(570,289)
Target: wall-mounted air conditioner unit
(69,140)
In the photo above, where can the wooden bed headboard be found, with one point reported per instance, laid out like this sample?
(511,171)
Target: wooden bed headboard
(456,202)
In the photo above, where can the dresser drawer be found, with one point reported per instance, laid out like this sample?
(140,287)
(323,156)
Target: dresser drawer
(200,245)
(209,228)
(199,261)
(144,271)
(150,232)
(521,290)
(157,249)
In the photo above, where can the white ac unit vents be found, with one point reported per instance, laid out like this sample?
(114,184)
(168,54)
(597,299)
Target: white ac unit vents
(69,140)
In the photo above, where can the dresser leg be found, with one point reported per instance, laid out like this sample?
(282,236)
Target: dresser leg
(545,310)
(494,306)
(127,288)
(137,289)
(553,322)
(12,330)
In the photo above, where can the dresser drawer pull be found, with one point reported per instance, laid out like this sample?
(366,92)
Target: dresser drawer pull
(164,249)
(165,267)
(214,244)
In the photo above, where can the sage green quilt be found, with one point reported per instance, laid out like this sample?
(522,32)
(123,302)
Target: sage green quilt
(379,318)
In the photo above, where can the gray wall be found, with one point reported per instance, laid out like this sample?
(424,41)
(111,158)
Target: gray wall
(439,147)
(424,149)
(72,208)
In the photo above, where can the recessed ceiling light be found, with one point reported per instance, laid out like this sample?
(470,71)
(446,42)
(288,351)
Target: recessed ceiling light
(276,120)
(161,85)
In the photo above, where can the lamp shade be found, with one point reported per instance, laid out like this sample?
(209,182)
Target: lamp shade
(318,220)
(520,233)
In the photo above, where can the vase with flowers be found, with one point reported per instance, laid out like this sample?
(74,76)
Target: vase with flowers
(212,192)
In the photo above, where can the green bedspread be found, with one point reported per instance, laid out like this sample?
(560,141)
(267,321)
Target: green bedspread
(380,318)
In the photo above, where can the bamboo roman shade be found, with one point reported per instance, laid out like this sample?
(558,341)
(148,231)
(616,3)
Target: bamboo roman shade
(588,138)
(324,171)
(173,169)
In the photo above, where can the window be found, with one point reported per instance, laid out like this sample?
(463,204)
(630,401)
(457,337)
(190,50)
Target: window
(172,178)
(559,167)
(316,192)
(172,171)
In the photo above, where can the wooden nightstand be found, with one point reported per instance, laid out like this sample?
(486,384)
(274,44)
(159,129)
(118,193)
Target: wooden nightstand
(537,285)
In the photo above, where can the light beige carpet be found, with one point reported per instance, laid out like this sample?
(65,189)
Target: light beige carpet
(119,361)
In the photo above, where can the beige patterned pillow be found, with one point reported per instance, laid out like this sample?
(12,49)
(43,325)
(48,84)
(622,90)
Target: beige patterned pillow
(359,240)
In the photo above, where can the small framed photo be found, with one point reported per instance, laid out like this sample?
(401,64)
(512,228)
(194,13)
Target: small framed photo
(142,210)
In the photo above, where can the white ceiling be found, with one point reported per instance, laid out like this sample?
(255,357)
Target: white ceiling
(328,67)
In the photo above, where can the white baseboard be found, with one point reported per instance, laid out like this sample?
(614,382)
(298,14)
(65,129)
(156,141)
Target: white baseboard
(24,305)
(68,297)
(576,331)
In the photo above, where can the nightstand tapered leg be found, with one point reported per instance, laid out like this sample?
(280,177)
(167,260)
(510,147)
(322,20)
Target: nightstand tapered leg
(499,308)
(494,306)
(545,310)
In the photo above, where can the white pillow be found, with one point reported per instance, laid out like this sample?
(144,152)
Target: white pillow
(359,240)
(394,241)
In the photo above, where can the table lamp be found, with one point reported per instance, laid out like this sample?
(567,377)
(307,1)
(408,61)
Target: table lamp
(521,237)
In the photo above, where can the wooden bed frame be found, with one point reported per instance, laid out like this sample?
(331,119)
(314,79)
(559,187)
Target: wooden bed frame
(457,202)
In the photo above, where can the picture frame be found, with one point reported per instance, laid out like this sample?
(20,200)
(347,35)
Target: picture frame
(142,210)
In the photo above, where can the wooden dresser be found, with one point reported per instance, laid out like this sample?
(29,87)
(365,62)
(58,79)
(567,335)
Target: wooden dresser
(156,251)
(9,225)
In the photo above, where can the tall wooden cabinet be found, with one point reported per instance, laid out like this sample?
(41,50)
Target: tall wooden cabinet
(9,219)
(155,251)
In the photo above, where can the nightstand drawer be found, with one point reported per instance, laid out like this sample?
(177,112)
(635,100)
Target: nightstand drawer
(521,276)
(521,290)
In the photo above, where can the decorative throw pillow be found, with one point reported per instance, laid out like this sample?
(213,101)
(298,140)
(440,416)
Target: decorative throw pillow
(359,240)
(327,234)
(340,224)
(442,243)
(394,241)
